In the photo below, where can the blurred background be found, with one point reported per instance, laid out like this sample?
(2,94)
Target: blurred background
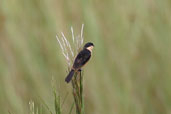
(129,73)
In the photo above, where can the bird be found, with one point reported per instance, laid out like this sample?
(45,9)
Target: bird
(81,59)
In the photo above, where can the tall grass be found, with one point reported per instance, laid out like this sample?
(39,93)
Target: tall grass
(77,84)
(130,68)
(77,81)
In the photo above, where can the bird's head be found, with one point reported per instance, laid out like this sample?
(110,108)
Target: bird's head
(89,46)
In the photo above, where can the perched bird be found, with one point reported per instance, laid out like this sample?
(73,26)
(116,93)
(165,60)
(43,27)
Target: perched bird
(81,59)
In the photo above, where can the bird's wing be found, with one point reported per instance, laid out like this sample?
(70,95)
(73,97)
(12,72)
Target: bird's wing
(81,59)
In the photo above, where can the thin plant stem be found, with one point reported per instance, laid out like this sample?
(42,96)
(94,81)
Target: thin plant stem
(71,108)
(77,84)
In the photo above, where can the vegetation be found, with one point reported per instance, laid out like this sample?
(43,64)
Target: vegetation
(129,72)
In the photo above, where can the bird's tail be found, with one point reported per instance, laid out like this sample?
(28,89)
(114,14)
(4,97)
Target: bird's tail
(69,77)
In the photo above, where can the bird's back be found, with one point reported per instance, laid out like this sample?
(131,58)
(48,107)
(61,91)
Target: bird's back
(81,59)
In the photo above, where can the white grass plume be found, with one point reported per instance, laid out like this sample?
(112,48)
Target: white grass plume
(66,47)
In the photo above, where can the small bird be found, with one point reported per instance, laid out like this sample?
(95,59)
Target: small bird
(81,59)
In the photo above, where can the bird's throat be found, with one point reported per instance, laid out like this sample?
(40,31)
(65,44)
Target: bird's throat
(90,48)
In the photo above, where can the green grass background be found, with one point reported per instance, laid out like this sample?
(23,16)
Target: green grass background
(129,73)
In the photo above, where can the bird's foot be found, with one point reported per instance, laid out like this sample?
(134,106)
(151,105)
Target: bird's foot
(80,70)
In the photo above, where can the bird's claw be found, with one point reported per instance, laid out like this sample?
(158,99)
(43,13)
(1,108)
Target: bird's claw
(80,70)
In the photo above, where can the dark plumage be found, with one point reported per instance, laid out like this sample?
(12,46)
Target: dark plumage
(81,59)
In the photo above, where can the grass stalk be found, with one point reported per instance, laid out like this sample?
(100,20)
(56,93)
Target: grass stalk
(77,81)
(77,85)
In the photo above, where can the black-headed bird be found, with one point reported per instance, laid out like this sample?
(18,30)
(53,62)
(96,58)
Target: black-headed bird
(81,59)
